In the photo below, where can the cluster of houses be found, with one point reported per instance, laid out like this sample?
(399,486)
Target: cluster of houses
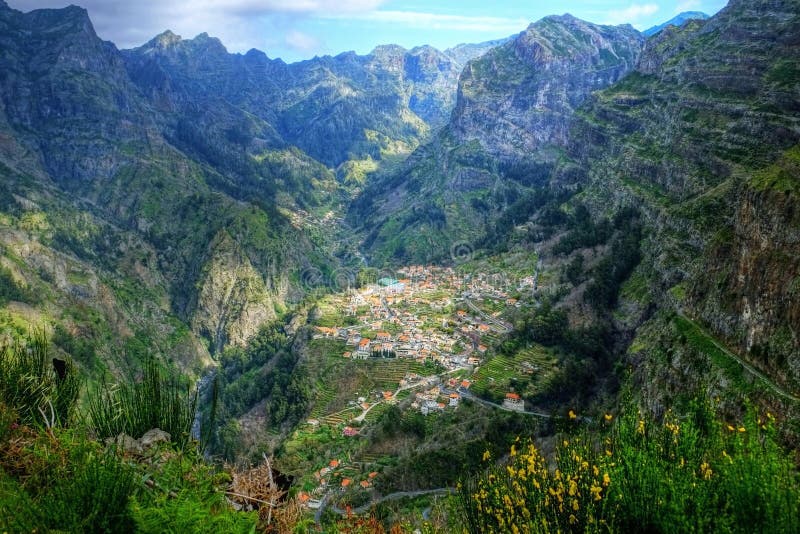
(440,396)
(390,311)
(332,476)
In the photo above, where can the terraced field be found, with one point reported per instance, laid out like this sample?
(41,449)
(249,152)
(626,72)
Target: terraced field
(324,395)
(501,373)
(388,373)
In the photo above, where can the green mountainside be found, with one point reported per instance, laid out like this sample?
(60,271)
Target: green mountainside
(408,285)
(506,135)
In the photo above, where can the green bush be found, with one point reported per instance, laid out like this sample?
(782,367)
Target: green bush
(59,480)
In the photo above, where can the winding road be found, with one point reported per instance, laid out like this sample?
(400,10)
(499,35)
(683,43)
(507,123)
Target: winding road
(392,496)
(747,367)
(503,327)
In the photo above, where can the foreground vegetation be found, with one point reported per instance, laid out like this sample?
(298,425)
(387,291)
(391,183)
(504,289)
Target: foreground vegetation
(624,473)
(56,475)
(692,473)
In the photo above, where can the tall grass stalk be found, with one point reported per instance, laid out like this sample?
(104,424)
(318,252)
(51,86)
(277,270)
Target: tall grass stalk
(136,407)
(30,385)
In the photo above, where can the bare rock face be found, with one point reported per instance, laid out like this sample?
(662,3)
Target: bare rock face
(514,109)
(520,97)
(703,138)
(233,300)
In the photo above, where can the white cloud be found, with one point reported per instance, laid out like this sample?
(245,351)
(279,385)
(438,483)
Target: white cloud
(239,24)
(302,42)
(687,5)
(631,14)
(436,21)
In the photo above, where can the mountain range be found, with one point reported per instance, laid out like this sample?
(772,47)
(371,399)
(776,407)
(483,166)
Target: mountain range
(178,200)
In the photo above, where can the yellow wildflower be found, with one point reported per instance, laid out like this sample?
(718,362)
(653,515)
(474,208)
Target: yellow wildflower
(606,479)
(608,417)
(486,455)
(640,427)
(572,415)
(575,505)
(572,519)
(731,428)
(596,490)
(705,471)
(741,429)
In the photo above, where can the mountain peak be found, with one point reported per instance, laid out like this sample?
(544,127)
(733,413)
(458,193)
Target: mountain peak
(678,20)
(165,39)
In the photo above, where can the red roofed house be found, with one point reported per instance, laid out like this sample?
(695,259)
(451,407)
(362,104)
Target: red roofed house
(514,402)
(454,398)
(333,464)
(363,347)
(349,431)
(465,384)
(346,482)
(365,484)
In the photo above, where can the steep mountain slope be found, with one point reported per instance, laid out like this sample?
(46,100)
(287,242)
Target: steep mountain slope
(187,181)
(703,137)
(77,132)
(333,108)
(507,132)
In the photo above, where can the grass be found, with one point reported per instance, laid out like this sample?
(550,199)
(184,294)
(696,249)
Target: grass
(31,386)
(58,479)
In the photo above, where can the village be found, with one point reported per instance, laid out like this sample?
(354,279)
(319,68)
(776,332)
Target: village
(412,317)
(426,315)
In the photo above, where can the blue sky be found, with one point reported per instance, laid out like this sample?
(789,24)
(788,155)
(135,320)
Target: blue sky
(300,29)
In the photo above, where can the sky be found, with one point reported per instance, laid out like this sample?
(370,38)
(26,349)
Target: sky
(300,29)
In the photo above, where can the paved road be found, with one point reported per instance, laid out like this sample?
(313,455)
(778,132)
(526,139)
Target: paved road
(504,328)
(469,395)
(749,368)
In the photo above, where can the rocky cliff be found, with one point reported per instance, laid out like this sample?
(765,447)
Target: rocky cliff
(121,197)
(703,137)
(509,127)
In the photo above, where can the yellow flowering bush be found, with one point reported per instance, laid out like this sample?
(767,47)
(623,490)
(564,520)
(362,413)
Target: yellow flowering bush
(691,473)
(526,495)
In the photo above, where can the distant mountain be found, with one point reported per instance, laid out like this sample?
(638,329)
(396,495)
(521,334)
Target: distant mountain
(506,133)
(465,52)
(678,20)
(180,190)
(334,108)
